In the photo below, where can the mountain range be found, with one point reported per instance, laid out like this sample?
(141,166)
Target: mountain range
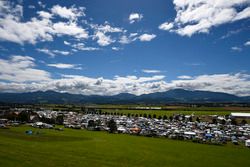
(170,96)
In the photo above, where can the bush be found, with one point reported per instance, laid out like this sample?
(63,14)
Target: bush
(59,120)
(112,126)
(243,122)
(197,119)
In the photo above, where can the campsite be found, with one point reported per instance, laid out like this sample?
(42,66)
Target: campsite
(80,148)
(48,136)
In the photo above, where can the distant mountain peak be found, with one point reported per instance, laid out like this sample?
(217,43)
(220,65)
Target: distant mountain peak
(170,96)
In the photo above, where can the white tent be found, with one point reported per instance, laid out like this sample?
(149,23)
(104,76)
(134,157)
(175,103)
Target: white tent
(190,133)
(121,129)
(241,115)
(247,143)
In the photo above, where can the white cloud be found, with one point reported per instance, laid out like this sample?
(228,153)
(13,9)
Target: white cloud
(238,84)
(46,51)
(53,53)
(45,27)
(184,77)
(65,66)
(106,28)
(68,13)
(103,33)
(236,48)
(201,15)
(133,17)
(13,29)
(115,48)
(247,43)
(41,4)
(102,86)
(232,32)
(81,46)
(166,26)
(125,40)
(8,8)
(45,15)
(135,79)
(21,69)
(31,7)
(65,53)
(32,31)
(147,37)
(151,71)
(193,64)
(71,29)
(66,43)
(243,14)
(131,35)
(103,39)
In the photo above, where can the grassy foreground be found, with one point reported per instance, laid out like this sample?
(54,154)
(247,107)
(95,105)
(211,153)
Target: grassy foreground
(86,148)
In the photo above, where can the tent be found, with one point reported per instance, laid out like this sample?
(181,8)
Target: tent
(190,133)
(247,143)
(28,132)
(208,135)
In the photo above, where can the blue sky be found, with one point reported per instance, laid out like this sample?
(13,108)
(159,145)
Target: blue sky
(108,47)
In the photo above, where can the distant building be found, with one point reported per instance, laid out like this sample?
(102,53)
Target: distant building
(240,115)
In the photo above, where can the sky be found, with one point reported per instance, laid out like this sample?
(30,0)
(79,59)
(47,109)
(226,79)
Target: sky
(107,47)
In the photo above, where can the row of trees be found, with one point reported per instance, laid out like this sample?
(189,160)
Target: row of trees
(130,114)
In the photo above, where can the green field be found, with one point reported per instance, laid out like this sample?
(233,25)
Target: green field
(166,110)
(87,148)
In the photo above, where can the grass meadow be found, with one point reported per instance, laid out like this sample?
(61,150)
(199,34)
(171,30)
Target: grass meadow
(87,148)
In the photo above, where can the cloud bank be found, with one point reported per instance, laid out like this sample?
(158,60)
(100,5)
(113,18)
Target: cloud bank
(199,16)
(20,74)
